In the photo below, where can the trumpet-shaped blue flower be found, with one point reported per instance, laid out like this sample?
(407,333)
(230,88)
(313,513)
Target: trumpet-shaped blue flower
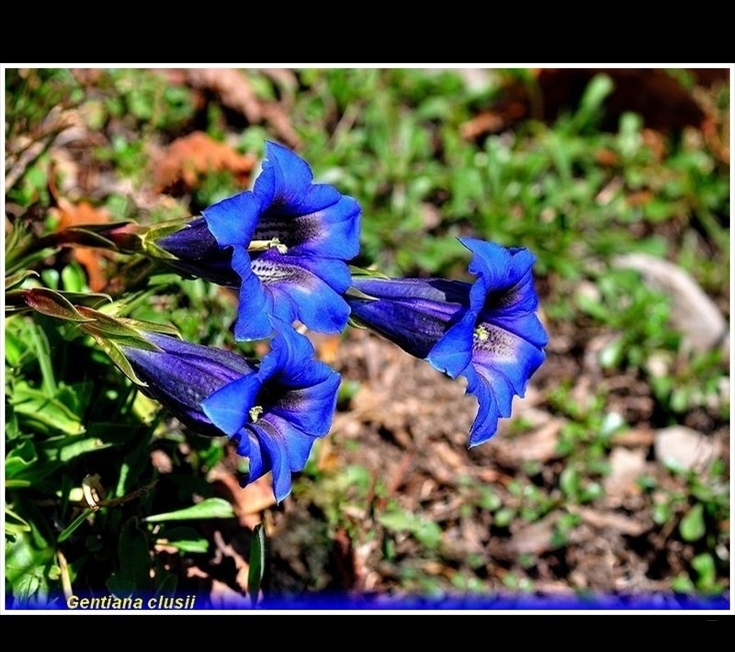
(278,413)
(486,331)
(290,239)
(274,409)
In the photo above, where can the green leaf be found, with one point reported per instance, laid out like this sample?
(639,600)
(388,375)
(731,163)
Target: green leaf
(27,562)
(44,410)
(209,508)
(397,520)
(69,530)
(185,539)
(257,562)
(682,584)
(597,90)
(14,524)
(14,280)
(569,481)
(135,562)
(63,449)
(504,516)
(20,458)
(704,564)
(692,525)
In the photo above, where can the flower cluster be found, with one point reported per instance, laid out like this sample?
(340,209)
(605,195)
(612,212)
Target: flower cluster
(284,247)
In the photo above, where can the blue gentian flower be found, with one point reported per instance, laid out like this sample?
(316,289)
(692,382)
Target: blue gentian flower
(274,409)
(486,331)
(290,239)
(278,413)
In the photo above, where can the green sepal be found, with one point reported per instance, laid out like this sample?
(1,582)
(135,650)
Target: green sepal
(359,294)
(151,234)
(361,271)
(113,351)
(51,303)
(123,331)
(111,333)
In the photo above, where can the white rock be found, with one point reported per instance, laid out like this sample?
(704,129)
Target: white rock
(625,468)
(686,447)
(692,311)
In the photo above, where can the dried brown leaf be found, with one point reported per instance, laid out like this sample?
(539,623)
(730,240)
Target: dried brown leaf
(234,91)
(70,215)
(194,155)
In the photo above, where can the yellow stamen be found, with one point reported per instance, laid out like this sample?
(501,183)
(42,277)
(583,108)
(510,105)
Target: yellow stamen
(255,413)
(482,333)
(265,245)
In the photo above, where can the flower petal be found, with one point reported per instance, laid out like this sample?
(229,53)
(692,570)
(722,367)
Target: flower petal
(486,421)
(293,291)
(229,407)
(232,221)
(453,351)
(255,304)
(284,179)
(329,231)
(509,355)
(500,268)
(501,367)
(272,442)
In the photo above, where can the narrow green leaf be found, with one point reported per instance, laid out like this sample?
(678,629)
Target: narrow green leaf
(77,448)
(17,484)
(69,529)
(100,324)
(36,406)
(63,449)
(209,508)
(15,523)
(184,538)
(14,280)
(257,563)
(193,545)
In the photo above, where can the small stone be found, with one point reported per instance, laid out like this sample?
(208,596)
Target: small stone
(686,447)
(626,466)
(693,313)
